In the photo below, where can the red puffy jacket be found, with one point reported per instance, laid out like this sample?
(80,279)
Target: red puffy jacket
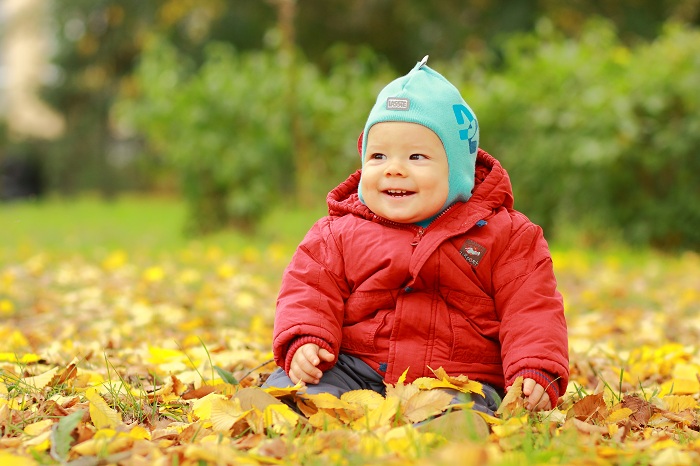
(474,292)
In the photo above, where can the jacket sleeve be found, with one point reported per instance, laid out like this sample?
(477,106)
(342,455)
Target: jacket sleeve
(311,302)
(533,332)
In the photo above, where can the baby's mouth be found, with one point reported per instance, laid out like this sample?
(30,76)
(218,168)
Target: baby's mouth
(398,192)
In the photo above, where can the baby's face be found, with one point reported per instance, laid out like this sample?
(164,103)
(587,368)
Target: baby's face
(405,172)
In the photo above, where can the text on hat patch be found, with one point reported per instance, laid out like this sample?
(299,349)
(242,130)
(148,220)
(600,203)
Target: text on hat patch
(397,103)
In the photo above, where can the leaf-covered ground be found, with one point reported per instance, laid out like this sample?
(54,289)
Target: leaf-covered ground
(157,359)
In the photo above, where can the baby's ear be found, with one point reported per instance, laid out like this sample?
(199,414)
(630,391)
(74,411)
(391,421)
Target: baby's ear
(359,143)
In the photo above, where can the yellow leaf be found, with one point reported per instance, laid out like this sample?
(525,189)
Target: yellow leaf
(16,460)
(115,260)
(139,433)
(28,358)
(7,307)
(402,379)
(513,401)
(382,415)
(322,420)
(101,413)
(676,404)
(680,387)
(38,427)
(153,274)
(283,391)
(41,380)
(618,415)
(280,418)
(402,392)
(103,444)
(686,371)
(225,413)
(489,419)
(510,426)
(213,453)
(327,401)
(366,398)
(164,355)
(402,441)
(424,404)
(41,442)
(460,382)
(202,407)
(673,456)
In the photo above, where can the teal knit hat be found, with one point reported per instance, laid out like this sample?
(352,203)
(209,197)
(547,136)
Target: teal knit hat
(425,97)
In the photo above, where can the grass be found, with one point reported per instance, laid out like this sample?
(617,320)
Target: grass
(91,226)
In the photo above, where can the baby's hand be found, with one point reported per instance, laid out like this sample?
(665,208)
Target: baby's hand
(307,357)
(536,398)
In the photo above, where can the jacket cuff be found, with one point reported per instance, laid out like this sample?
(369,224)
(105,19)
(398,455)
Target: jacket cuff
(301,341)
(547,380)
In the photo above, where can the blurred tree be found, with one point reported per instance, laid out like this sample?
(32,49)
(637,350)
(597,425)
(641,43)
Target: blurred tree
(405,30)
(97,46)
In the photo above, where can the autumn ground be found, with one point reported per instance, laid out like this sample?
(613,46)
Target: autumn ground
(122,344)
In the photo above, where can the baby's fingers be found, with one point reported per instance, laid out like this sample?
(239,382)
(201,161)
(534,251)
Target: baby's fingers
(537,399)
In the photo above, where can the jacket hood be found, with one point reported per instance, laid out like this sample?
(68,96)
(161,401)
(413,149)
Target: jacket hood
(492,189)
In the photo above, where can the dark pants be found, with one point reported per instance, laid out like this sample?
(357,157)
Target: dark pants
(351,373)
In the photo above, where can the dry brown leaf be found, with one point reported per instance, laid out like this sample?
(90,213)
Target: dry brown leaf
(250,441)
(200,392)
(192,433)
(272,448)
(587,428)
(67,374)
(590,408)
(642,410)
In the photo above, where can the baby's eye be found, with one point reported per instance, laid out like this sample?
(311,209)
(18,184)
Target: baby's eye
(417,156)
(377,156)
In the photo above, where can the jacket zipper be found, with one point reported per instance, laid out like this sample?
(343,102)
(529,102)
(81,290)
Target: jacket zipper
(403,226)
(418,237)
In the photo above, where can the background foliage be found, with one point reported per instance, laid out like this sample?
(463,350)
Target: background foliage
(241,106)
(595,133)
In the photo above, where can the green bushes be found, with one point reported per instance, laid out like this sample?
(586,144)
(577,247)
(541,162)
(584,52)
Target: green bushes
(595,135)
(239,137)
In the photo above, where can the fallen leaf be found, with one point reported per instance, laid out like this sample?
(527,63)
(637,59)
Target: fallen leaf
(590,408)
(641,410)
(426,403)
(40,381)
(101,414)
(513,402)
(225,413)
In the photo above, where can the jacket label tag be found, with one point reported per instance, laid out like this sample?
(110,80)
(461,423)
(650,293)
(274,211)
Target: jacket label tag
(472,251)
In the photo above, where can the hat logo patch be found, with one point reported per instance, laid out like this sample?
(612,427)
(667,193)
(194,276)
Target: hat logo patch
(472,251)
(397,103)
(470,132)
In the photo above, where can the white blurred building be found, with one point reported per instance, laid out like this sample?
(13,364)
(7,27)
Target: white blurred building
(24,66)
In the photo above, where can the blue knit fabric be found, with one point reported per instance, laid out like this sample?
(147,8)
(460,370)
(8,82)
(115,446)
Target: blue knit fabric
(425,97)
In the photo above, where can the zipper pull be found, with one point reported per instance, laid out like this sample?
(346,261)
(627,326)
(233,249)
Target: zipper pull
(417,238)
